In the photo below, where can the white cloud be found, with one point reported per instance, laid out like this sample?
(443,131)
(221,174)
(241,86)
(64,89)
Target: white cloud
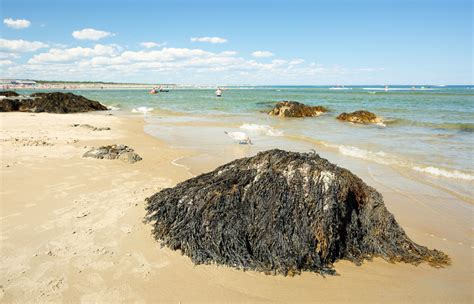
(71,54)
(262,54)
(296,61)
(166,54)
(149,44)
(209,39)
(90,34)
(6,55)
(176,65)
(228,53)
(6,62)
(20,46)
(17,24)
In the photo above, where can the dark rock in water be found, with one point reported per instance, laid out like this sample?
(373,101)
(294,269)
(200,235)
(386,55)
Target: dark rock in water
(296,109)
(362,117)
(281,212)
(9,93)
(58,102)
(9,105)
(121,152)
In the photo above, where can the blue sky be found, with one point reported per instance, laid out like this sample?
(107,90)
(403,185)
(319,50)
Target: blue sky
(260,42)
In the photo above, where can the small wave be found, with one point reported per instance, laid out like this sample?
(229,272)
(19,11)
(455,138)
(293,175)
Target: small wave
(387,159)
(143,110)
(444,173)
(380,156)
(463,127)
(384,158)
(174,162)
(264,129)
(398,89)
(113,108)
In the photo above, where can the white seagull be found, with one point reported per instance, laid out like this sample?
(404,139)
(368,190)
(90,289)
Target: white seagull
(241,137)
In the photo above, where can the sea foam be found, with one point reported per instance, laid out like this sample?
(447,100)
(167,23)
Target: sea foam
(387,159)
(143,110)
(263,129)
(445,173)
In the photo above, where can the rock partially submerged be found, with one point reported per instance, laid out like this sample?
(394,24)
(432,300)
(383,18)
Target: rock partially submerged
(296,109)
(122,152)
(56,102)
(362,117)
(9,93)
(281,212)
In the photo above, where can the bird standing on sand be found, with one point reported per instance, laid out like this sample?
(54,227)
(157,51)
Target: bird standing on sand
(241,137)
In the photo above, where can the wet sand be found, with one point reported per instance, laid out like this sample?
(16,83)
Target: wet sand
(72,231)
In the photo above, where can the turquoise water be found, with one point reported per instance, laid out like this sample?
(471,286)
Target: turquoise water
(429,131)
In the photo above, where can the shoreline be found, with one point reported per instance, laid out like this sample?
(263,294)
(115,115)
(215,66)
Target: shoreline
(76,234)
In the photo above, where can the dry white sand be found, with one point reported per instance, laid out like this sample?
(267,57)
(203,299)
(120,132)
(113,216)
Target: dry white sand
(72,231)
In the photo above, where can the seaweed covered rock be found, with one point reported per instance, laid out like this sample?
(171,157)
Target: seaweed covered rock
(9,105)
(296,109)
(9,93)
(58,102)
(362,117)
(122,152)
(281,212)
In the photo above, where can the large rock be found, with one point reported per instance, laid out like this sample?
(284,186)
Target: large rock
(296,109)
(9,105)
(362,117)
(58,102)
(281,212)
(122,152)
(9,93)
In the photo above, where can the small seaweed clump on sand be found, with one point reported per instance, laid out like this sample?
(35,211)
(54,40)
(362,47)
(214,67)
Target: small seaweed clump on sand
(122,152)
(281,212)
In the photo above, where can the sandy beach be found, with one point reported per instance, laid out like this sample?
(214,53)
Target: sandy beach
(72,230)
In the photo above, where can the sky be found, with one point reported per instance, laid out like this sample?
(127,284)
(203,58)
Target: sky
(254,42)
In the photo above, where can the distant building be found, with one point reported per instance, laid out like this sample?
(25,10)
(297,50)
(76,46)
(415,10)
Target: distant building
(25,82)
(6,83)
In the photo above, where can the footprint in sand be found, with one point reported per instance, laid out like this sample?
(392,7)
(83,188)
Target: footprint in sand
(126,229)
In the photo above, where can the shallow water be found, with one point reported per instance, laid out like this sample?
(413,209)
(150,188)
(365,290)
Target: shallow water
(428,132)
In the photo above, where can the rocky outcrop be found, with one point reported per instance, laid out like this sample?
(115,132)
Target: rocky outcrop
(281,212)
(56,102)
(9,93)
(362,117)
(122,152)
(296,109)
(9,105)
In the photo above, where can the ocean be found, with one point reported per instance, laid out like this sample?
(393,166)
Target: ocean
(428,132)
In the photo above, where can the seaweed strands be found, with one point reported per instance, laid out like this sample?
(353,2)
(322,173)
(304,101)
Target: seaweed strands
(281,212)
